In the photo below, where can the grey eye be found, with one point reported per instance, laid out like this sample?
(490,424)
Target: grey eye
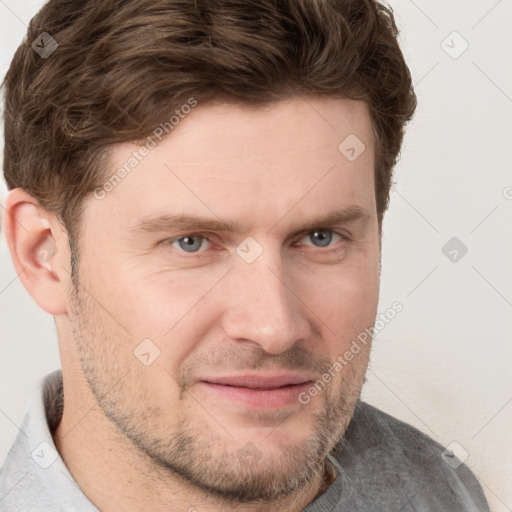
(321,238)
(190,243)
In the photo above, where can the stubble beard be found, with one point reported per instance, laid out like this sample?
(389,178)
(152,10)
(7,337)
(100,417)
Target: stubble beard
(195,453)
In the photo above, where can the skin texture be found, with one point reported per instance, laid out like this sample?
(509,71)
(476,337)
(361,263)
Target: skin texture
(153,437)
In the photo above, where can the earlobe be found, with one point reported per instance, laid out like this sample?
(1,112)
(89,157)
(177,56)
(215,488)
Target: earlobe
(35,241)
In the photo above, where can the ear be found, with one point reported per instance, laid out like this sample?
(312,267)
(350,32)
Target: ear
(39,249)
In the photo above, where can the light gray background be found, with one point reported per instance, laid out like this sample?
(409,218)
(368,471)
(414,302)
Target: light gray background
(443,364)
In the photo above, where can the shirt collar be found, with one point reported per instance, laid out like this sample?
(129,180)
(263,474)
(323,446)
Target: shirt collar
(43,415)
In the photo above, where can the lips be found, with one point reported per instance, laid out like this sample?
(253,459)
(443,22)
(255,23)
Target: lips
(260,381)
(261,392)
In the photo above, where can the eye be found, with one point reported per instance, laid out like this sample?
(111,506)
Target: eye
(190,243)
(322,238)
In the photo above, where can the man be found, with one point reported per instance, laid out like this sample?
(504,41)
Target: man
(196,195)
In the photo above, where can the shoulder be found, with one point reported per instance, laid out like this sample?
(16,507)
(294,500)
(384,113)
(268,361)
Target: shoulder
(385,457)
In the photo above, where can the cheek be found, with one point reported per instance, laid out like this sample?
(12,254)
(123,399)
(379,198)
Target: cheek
(175,313)
(345,300)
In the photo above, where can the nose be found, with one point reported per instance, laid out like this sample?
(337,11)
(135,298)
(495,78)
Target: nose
(263,307)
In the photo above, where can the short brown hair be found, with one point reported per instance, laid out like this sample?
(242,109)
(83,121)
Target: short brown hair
(120,68)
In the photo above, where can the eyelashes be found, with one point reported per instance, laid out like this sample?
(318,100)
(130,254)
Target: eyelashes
(199,243)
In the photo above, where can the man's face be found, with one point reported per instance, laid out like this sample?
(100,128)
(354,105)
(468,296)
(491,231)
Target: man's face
(240,312)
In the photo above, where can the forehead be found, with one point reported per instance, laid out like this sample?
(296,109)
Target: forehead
(243,163)
(300,129)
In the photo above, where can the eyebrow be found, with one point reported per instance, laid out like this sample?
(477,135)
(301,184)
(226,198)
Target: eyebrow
(167,222)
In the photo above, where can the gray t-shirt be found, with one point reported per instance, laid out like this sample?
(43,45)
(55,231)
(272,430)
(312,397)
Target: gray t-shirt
(382,465)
